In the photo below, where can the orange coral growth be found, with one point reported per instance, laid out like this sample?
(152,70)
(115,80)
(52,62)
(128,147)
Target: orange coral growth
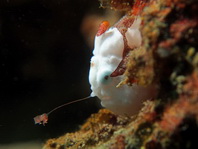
(98,128)
(190,88)
(173,116)
(177,30)
(186,105)
(104,116)
(179,27)
(138,6)
(120,143)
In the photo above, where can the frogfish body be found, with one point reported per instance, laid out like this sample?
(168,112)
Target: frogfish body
(107,55)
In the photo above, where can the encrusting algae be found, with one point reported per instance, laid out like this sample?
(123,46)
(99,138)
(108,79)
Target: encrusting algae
(168,55)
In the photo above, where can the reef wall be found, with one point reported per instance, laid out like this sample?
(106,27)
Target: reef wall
(167,56)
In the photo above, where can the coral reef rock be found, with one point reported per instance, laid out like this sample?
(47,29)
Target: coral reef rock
(169,56)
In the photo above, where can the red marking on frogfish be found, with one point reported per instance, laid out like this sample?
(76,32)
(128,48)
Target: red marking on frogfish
(102,28)
(122,65)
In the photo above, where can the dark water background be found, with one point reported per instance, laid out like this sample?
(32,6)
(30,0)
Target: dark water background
(44,62)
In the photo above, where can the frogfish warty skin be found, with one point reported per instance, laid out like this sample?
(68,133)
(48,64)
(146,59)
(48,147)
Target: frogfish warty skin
(107,55)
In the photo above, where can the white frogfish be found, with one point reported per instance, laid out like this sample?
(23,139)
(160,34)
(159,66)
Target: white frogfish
(107,55)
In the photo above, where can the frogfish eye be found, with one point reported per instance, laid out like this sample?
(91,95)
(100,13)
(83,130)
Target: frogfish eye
(104,77)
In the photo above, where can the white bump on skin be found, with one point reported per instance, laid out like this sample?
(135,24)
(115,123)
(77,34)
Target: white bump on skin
(107,55)
(133,35)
